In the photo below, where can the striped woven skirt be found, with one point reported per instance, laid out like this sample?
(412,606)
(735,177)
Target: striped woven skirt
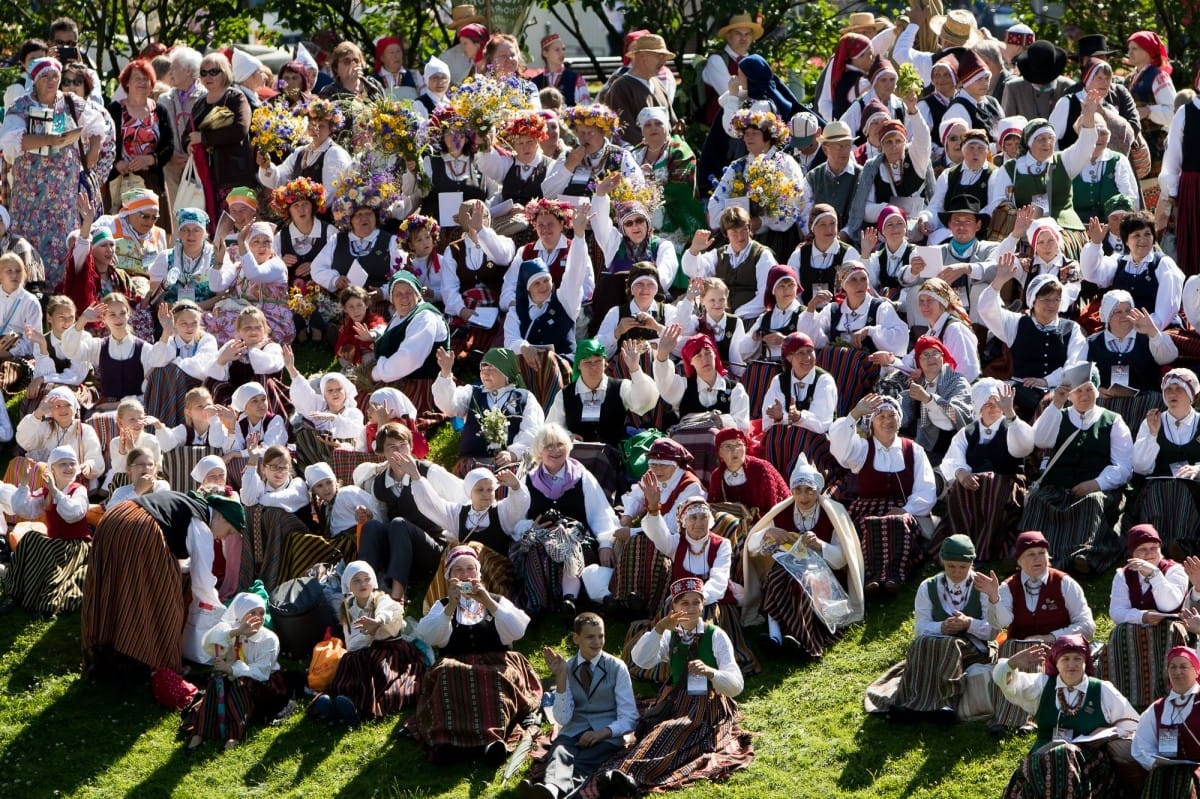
(547,378)
(854,374)
(165,389)
(229,705)
(785,601)
(685,739)
(1173,507)
(311,444)
(1133,410)
(1005,714)
(1135,659)
(538,572)
(1188,344)
(495,572)
(133,597)
(381,679)
(727,617)
(475,700)
(47,574)
(18,470)
(178,463)
(989,514)
(604,462)
(1058,769)
(889,543)
(756,380)
(933,672)
(1076,526)
(303,550)
(1172,782)
(642,571)
(267,530)
(697,433)
(783,443)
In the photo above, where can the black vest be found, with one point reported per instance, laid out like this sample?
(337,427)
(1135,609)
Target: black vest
(393,338)
(840,95)
(472,443)
(493,536)
(473,639)
(173,511)
(1144,372)
(726,336)
(610,428)
(553,328)
(1191,139)
(911,183)
(572,504)
(286,247)
(978,189)
(1169,453)
(402,505)
(983,115)
(523,191)
(835,319)
(377,262)
(1144,287)
(764,323)
(994,455)
(802,403)
(1037,353)
(937,110)
(490,274)
(639,333)
(471,185)
(809,276)
(690,401)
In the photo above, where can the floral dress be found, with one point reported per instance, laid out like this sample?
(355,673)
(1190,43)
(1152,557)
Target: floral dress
(269,295)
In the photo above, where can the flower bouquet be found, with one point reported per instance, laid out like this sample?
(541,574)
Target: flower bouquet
(486,102)
(908,81)
(770,188)
(389,127)
(276,131)
(493,424)
(649,195)
(362,187)
(303,297)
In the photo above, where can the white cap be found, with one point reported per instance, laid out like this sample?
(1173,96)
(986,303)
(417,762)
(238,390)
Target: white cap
(318,472)
(246,392)
(244,65)
(436,66)
(206,465)
(305,58)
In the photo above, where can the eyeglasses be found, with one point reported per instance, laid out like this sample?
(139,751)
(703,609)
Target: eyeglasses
(149,217)
(73,82)
(209,73)
(60,43)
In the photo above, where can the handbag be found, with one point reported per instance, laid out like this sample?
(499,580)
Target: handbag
(1053,460)
(1139,157)
(118,186)
(191,190)
(326,656)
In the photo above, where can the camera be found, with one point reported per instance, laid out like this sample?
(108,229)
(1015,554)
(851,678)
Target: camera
(68,53)
(466,588)
(551,516)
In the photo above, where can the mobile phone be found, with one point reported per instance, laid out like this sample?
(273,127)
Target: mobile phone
(68,53)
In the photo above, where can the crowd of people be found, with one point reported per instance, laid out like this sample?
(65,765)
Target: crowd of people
(736,394)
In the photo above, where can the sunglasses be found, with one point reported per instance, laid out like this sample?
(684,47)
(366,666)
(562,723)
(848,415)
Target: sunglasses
(209,73)
(149,217)
(72,82)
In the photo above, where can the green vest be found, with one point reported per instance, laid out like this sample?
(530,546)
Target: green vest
(1026,186)
(1086,456)
(682,655)
(973,608)
(1089,197)
(1089,718)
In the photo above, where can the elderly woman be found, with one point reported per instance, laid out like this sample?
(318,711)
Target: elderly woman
(556,74)
(970,176)
(1168,448)
(1146,595)
(221,140)
(693,728)
(595,157)
(668,161)
(945,319)
(1041,342)
(322,160)
(1096,76)
(1079,493)
(144,129)
(642,574)
(473,631)
(346,63)
(742,478)
(953,634)
(938,402)
(1129,352)
(406,353)
(1167,730)
(295,89)
(46,138)
(896,489)
(796,624)
(1153,279)
(182,274)
(846,78)
(1067,704)
(901,175)
(391,71)
(361,253)
(570,522)
(135,566)
(1038,605)
(985,469)
(452,168)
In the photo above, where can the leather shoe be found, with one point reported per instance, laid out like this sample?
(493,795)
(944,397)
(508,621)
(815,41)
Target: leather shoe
(871,589)
(793,647)
(568,609)
(890,588)
(495,753)
(528,789)
(1081,565)
(621,784)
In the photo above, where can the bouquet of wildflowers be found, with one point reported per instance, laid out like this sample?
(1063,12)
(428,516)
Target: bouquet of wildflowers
(493,423)
(276,131)
(302,298)
(486,102)
(362,188)
(770,187)
(649,195)
(389,127)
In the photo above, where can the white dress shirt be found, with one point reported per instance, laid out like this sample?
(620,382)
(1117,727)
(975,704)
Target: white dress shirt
(1003,324)
(1170,589)
(1172,162)
(851,450)
(1025,689)
(672,385)
(1000,614)
(1020,444)
(638,395)
(926,627)
(435,628)
(652,649)
(1177,709)
(889,333)
(820,413)
(492,247)
(1177,431)
(1101,269)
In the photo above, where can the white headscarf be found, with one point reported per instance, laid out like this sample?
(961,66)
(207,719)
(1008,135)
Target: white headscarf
(242,604)
(1110,301)
(395,402)
(984,389)
(353,569)
(206,465)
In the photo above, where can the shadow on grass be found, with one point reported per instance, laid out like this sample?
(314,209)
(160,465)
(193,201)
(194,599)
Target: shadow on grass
(74,739)
(400,770)
(861,766)
(307,738)
(51,649)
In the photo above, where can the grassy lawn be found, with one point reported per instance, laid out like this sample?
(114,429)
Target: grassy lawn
(62,737)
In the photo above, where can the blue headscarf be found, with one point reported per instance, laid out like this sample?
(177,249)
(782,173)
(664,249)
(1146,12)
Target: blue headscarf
(534,267)
(762,85)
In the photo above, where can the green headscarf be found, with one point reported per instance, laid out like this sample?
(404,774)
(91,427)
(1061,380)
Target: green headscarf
(229,507)
(958,548)
(588,348)
(506,361)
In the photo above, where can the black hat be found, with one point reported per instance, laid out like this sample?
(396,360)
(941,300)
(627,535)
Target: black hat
(1093,45)
(963,204)
(1042,62)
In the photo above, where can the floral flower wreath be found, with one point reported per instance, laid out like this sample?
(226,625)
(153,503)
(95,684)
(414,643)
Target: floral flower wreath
(322,110)
(361,189)
(563,211)
(299,189)
(768,122)
(416,222)
(531,125)
(596,115)
(445,120)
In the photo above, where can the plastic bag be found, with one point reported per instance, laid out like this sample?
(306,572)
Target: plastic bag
(830,601)
(326,656)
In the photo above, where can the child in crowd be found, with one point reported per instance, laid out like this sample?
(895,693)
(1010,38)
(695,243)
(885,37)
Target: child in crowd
(259,277)
(704,309)
(19,310)
(120,359)
(131,434)
(418,235)
(328,420)
(188,351)
(141,466)
(51,366)
(273,485)
(360,327)
(250,355)
(248,424)
(55,423)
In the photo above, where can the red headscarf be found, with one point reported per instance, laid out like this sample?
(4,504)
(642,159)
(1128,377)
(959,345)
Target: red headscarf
(849,47)
(383,44)
(1064,645)
(1155,47)
(778,273)
(931,343)
(692,346)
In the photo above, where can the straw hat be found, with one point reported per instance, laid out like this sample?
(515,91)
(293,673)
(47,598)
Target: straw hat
(463,15)
(742,21)
(650,43)
(864,22)
(956,28)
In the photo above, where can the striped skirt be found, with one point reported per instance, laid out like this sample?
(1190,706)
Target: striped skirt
(854,374)
(1133,410)
(757,380)
(697,433)
(544,381)
(1172,782)
(785,601)
(1188,344)
(311,444)
(1173,507)
(889,543)
(475,700)
(303,550)
(1135,659)
(727,617)
(47,574)
(538,576)
(989,514)
(133,597)
(18,470)
(1083,526)
(267,531)
(934,667)
(642,571)
(495,572)
(1060,769)
(165,389)
(685,739)
(178,463)
(661,416)
(381,679)
(229,705)
(783,443)
(417,389)
(1005,714)
(604,462)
